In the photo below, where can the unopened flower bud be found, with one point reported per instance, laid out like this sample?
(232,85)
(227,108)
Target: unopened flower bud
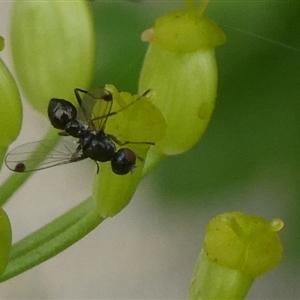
(53,48)
(180,67)
(10,110)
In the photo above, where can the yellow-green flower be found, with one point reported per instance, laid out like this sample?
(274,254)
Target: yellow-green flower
(237,249)
(180,67)
(53,48)
(140,122)
(10,112)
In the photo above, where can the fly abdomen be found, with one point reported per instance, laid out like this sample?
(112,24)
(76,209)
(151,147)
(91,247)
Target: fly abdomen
(76,129)
(61,112)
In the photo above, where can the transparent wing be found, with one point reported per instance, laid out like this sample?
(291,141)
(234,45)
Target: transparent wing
(96,105)
(40,155)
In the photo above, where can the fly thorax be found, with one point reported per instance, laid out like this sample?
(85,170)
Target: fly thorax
(100,147)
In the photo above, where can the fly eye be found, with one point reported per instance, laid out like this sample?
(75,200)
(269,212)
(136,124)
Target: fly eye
(61,112)
(123,161)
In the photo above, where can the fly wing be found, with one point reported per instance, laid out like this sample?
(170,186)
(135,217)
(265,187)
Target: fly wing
(41,155)
(96,105)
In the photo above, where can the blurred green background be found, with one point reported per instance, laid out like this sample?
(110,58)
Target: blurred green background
(254,133)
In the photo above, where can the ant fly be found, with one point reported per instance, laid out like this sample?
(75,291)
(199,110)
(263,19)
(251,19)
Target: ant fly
(93,142)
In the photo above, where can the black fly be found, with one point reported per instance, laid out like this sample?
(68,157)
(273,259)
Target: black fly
(93,142)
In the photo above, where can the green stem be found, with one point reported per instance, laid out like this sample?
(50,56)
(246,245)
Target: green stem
(213,281)
(52,239)
(13,182)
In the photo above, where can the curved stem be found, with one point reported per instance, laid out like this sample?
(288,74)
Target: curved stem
(213,281)
(12,183)
(52,239)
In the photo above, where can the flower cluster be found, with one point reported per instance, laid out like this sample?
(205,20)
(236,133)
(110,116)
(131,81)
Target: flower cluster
(53,47)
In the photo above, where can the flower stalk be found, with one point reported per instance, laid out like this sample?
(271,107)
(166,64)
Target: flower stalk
(52,239)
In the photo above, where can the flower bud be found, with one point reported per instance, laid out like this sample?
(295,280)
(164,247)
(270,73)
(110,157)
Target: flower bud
(237,249)
(249,244)
(138,123)
(180,67)
(5,240)
(53,48)
(10,110)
